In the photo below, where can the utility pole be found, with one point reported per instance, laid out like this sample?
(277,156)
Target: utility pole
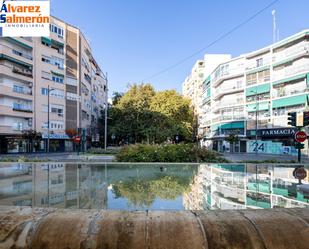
(274,26)
(105,115)
(48,121)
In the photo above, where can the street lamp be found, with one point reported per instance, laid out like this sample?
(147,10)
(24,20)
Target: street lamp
(256,118)
(105,113)
(48,126)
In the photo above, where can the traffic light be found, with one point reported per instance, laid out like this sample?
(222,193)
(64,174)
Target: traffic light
(306,118)
(292,118)
(299,146)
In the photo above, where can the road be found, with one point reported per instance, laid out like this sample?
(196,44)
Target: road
(243,157)
(63,157)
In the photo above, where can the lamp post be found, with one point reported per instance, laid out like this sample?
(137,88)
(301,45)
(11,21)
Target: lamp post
(256,119)
(105,113)
(48,126)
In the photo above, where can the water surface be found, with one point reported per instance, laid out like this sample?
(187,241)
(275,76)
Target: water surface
(151,186)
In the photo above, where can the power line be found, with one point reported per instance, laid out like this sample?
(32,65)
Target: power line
(212,43)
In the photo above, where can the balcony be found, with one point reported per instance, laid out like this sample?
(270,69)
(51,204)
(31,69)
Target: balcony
(7,68)
(284,93)
(16,54)
(293,51)
(290,71)
(25,93)
(231,73)
(227,90)
(15,112)
(223,104)
(9,130)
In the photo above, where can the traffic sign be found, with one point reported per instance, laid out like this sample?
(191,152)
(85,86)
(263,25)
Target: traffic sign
(300,136)
(77,139)
(300,173)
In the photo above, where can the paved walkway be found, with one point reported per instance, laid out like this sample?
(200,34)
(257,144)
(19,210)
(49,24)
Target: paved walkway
(63,157)
(241,157)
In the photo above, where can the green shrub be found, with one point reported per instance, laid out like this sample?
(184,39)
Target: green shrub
(100,151)
(168,153)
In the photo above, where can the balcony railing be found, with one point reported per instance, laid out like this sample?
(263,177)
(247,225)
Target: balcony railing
(23,90)
(284,93)
(22,71)
(12,51)
(290,71)
(225,90)
(290,52)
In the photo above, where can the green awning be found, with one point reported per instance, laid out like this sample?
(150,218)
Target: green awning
(290,101)
(263,106)
(5,57)
(57,43)
(265,88)
(234,125)
(300,76)
(47,40)
(57,74)
(260,69)
(19,42)
(307,79)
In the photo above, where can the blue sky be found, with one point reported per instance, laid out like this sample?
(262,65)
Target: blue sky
(133,39)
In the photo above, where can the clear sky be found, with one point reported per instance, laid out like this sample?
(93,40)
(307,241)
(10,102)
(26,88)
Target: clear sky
(133,39)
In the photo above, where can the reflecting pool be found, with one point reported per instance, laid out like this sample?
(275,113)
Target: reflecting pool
(152,186)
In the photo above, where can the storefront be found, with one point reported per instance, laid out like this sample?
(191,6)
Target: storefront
(57,143)
(229,137)
(278,141)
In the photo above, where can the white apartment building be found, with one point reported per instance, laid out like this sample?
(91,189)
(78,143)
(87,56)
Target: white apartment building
(192,87)
(255,91)
(64,63)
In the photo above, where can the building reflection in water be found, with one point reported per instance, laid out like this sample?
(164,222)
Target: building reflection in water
(53,185)
(246,186)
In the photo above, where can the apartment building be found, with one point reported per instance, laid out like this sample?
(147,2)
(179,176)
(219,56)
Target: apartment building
(246,99)
(192,87)
(62,63)
(244,187)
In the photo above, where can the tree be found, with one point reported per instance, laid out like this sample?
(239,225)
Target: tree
(116,98)
(142,115)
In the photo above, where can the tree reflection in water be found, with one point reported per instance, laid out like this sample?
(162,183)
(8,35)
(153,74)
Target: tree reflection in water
(143,192)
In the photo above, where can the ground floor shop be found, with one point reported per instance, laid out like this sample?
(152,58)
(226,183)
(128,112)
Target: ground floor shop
(278,141)
(19,144)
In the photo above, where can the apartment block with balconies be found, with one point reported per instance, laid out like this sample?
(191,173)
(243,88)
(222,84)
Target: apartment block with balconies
(62,63)
(246,99)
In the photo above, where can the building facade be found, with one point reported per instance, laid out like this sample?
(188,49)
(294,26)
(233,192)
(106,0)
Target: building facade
(62,63)
(246,99)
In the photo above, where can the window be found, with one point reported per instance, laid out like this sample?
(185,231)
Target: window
(259,62)
(46,59)
(18,89)
(57,30)
(57,79)
(44,91)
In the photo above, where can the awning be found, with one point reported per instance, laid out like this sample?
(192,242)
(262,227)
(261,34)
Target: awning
(290,101)
(57,43)
(57,74)
(297,77)
(263,106)
(46,40)
(5,57)
(226,126)
(265,88)
(19,42)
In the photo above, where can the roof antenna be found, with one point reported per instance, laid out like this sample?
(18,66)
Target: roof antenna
(274,26)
